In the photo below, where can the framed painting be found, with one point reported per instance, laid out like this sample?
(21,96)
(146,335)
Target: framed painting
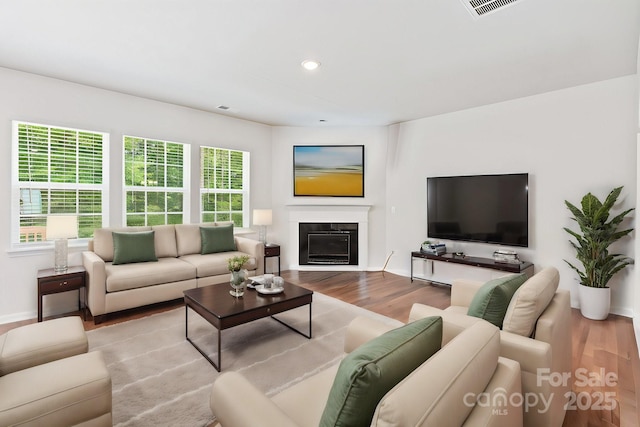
(328,170)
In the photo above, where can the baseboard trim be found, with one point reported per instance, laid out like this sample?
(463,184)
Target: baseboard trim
(18,317)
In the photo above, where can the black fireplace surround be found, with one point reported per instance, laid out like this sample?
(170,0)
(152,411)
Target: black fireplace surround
(326,243)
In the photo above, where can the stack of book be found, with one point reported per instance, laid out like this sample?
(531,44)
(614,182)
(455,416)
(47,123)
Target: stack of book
(434,249)
(508,257)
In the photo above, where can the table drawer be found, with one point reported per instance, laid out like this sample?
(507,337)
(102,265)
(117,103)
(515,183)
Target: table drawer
(61,284)
(271,250)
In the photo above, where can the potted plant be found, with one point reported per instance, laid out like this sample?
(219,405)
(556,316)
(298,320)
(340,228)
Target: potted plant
(592,243)
(238,274)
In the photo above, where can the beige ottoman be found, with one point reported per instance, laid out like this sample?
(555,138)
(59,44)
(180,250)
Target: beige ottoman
(75,391)
(39,343)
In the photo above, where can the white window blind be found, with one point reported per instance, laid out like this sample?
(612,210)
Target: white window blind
(156,177)
(224,186)
(57,170)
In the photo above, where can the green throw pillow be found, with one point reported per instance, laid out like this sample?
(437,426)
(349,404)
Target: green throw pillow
(492,299)
(374,368)
(133,247)
(217,239)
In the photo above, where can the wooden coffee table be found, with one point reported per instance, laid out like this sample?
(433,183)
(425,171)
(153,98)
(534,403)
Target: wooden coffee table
(223,311)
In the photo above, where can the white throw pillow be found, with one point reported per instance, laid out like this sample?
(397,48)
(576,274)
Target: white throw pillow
(529,301)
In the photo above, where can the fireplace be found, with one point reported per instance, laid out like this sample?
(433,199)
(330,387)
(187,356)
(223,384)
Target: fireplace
(329,214)
(328,243)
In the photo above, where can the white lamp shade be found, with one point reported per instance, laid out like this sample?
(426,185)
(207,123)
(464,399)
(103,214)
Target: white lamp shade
(262,217)
(62,227)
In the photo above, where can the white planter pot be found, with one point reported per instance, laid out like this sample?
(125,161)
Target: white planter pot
(594,302)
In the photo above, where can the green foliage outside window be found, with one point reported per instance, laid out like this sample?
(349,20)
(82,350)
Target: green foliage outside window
(60,171)
(154,181)
(223,188)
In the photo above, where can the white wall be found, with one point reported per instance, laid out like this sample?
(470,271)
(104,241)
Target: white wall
(38,99)
(570,142)
(374,140)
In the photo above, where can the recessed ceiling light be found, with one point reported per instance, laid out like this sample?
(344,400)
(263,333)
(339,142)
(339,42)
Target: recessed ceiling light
(310,64)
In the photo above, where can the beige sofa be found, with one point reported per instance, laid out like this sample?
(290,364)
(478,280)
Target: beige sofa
(536,333)
(180,266)
(441,392)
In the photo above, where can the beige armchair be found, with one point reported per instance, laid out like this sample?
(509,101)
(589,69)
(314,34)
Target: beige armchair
(536,333)
(441,392)
(47,378)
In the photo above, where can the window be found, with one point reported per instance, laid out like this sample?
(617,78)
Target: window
(224,185)
(57,171)
(156,177)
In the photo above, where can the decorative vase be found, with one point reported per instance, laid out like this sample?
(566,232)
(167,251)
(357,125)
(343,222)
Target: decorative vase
(594,302)
(237,282)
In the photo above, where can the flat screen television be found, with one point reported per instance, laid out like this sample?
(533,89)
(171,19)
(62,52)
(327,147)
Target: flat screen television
(479,208)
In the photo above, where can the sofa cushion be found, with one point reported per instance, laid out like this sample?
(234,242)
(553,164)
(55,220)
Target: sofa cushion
(492,299)
(134,247)
(374,368)
(217,239)
(141,274)
(442,391)
(529,301)
(42,342)
(188,238)
(74,391)
(103,240)
(216,264)
(165,241)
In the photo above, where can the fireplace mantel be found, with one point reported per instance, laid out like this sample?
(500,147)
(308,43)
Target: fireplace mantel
(329,213)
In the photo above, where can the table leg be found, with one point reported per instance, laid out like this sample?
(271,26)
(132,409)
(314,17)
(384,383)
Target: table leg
(202,352)
(39,307)
(294,329)
(82,305)
(219,351)
(412,269)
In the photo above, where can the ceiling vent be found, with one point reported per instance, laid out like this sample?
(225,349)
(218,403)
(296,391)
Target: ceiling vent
(479,8)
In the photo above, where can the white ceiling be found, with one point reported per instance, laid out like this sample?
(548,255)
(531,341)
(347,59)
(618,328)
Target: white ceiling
(383,61)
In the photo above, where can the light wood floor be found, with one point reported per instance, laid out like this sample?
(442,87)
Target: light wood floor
(599,347)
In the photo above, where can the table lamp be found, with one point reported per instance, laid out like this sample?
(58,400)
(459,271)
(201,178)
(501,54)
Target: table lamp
(60,228)
(262,218)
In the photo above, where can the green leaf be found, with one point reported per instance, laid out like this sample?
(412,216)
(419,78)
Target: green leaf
(596,234)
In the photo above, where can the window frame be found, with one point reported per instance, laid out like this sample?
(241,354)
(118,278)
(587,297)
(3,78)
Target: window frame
(16,184)
(245,191)
(184,190)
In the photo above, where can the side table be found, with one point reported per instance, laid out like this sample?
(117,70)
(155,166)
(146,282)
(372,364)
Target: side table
(271,250)
(51,282)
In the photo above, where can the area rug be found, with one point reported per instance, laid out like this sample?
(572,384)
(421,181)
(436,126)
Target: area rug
(160,379)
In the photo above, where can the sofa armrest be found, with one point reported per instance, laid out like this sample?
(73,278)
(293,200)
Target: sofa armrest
(420,311)
(255,248)
(554,327)
(229,397)
(463,291)
(540,377)
(532,354)
(503,389)
(363,329)
(454,323)
(96,282)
